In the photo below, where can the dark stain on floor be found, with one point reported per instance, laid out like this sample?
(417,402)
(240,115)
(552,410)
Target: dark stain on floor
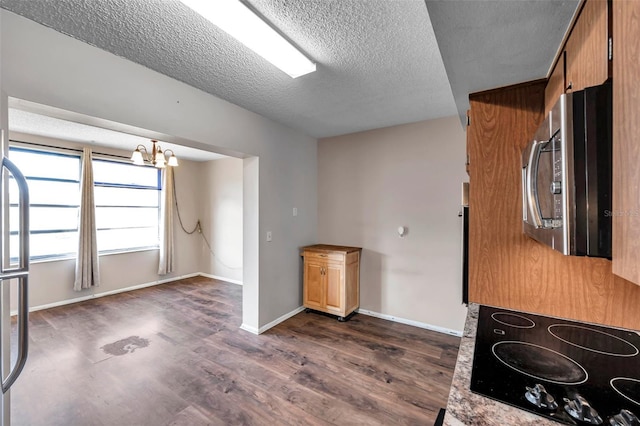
(125,346)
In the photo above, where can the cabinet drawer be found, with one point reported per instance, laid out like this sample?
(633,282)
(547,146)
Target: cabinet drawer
(323,256)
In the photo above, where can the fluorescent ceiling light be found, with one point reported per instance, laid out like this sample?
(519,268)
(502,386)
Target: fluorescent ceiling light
(240,22)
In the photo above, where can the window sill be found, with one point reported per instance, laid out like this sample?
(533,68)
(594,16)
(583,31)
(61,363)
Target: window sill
(106,253)
(126,251)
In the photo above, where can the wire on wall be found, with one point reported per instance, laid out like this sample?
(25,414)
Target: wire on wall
(198,228)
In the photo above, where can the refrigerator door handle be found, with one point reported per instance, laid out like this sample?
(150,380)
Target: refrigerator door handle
(21,273)
(23,331)
(23,214)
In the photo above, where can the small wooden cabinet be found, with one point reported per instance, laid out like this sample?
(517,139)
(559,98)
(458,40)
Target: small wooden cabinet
(331,279)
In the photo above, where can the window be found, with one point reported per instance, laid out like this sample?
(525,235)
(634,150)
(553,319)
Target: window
(54,195)
(127,201)
(127,205)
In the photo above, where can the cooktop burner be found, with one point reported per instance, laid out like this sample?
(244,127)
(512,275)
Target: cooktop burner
(629,388)
(593,340)
(563,370)
(513,320)
(539,362)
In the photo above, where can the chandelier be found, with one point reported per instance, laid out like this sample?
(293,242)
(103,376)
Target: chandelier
(158,158)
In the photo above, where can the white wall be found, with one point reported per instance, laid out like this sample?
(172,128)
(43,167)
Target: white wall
(43,66)
(51,282)
(222,218)
(369,184)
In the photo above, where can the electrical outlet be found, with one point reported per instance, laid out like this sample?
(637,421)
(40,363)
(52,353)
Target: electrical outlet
(295,211)
(269,236)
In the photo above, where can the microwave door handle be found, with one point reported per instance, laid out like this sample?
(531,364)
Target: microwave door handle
(524,194)
(532,182)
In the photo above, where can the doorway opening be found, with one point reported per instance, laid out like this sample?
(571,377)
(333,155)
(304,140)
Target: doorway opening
(216,194)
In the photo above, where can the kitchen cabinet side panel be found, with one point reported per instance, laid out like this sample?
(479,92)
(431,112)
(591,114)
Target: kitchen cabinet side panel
(352,282)
(506,268)
(555,85)
(626,142)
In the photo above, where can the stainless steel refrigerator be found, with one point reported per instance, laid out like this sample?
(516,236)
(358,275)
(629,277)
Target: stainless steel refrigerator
(14,277)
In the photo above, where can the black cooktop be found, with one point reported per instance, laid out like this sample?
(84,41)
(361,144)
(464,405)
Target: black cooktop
(567,371)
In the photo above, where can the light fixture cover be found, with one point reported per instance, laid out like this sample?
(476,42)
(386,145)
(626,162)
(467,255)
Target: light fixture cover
(173,161)
(157,154)
(137,158)
(160,161)
(240,22)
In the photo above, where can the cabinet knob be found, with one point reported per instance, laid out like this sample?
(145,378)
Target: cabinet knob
(323,255)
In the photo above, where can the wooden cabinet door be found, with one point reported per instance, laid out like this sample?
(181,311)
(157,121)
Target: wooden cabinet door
(587,48)
(314,285)
(334,297)
(626,147)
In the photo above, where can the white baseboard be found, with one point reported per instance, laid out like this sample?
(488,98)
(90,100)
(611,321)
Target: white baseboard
(411,322)
(272,323)
(108,293)
(243,326)
(280,319)
(219,278)
(250,329)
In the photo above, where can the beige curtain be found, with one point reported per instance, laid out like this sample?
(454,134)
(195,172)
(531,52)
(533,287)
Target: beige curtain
(87,265)
(167,252)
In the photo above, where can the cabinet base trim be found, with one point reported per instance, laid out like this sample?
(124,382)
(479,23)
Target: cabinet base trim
(273,323)
(340,318)
(418,324)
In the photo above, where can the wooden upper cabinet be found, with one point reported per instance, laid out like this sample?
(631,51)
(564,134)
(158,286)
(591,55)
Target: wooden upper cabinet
(584,59)
(587,48)
(509,269)
(626,146)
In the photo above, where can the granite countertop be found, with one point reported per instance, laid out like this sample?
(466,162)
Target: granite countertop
(467,408)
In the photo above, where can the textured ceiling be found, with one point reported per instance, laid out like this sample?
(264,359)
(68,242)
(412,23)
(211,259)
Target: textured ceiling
(493,43)
(378,60)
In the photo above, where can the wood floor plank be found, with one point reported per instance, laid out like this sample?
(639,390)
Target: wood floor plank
(380,350)
(379,384)
(191,416)
(176,356)
(323,409)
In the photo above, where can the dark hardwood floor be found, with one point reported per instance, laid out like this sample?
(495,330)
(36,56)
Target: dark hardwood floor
(174,355)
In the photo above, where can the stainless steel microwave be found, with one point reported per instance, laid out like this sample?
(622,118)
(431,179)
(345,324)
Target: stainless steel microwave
(566,175)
